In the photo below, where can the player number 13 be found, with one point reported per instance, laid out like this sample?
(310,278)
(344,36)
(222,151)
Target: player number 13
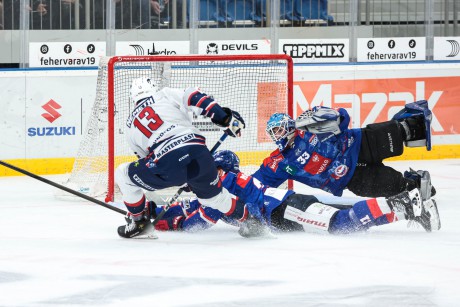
(154,121)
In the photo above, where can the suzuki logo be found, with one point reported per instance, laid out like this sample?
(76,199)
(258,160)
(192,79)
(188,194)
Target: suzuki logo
(455,48)
(51,107)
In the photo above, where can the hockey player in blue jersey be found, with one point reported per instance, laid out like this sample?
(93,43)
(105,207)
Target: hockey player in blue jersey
(256,205)
(320,151)
(170,149)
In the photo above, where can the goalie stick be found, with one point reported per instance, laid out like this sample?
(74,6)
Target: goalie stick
(173,199)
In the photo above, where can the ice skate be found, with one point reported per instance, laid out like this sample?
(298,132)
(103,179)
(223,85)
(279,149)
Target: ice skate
(408,203)
(141,229)
(429,219)
(423,181)
(254,228)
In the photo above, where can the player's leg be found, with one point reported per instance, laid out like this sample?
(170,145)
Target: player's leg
(303,212)
(378,180)
(204,181)
(129,179)
(407,205)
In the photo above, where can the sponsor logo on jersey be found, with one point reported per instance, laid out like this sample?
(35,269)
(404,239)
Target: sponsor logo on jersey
(313,140)
(142,183)
(291,170)
(272,162)
(242,180)
(183,157)
(215,181)
(317,164)
(340,171)
(169,145)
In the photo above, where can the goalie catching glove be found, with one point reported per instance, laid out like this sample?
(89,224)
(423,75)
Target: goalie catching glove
(321,120)
(232,124)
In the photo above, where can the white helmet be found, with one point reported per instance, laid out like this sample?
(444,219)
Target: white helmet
(142,88)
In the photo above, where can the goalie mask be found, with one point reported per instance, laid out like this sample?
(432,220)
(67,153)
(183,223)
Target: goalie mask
(280,128)
(142,88)
(227,160)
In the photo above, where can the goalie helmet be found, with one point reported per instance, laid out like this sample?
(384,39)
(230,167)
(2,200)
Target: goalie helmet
(142,88)
(227,160)
(280,128)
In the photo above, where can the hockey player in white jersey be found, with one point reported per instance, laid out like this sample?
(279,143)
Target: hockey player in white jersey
(170,149)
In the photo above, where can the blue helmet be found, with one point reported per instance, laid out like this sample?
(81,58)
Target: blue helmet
(227,160)
(280,128)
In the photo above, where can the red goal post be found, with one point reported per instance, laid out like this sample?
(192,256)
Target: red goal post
(254,85)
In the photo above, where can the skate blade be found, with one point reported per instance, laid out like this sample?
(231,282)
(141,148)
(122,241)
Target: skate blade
(149,236)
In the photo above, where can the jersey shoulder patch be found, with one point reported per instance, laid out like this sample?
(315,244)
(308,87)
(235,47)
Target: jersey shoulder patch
(273,160)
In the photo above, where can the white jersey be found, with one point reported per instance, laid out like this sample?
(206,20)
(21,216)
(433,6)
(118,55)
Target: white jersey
(161,122)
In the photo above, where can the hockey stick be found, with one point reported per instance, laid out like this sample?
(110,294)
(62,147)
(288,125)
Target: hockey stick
(54,184)
(97,201)
(179,192)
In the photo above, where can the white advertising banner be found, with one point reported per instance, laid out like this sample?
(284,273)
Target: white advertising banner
(392,49)
(316,50)
(153,48)
(446,48)
(45,112)
(234,47)
(62,54)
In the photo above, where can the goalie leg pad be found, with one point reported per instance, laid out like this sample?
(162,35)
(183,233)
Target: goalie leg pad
(316,217)
(418,108)
(381,141)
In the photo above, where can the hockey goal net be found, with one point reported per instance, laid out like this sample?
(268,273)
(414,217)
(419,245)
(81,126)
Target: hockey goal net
(254,85)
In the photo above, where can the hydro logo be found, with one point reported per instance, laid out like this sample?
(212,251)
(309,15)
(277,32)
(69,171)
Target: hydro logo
(314,50)
(140,50)
(51,115)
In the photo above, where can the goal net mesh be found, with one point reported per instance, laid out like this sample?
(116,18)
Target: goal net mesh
(256,88)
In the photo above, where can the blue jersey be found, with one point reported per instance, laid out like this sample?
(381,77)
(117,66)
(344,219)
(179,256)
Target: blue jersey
(244,189)
(326,164)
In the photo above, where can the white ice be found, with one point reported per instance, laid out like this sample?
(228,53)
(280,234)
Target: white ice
(57,253)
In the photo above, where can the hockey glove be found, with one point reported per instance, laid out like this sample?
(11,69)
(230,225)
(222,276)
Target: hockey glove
(170,224)
(319,120)
(233,123)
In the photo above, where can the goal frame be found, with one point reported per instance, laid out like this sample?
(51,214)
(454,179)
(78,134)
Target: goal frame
(171,58)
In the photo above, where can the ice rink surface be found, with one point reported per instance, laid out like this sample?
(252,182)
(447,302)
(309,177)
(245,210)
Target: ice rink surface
(67,253)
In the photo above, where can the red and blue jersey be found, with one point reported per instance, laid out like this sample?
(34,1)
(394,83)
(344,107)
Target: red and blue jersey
(326,164)
(244,189)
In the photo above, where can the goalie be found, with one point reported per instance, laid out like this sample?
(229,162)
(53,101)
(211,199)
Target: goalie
(320,151)
(256,205)
(170,149)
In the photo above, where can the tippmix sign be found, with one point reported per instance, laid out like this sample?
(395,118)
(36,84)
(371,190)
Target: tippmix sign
(71,54)
(316,50)
(394,49)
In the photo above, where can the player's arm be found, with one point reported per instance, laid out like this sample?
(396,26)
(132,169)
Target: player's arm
(223,117)
(188,215)
(323,120)
(268,176)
